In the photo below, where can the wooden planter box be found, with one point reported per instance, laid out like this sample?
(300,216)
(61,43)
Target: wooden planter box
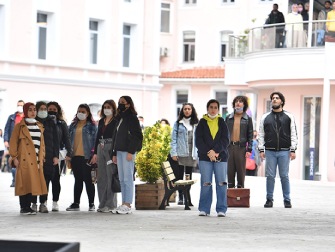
(149,196)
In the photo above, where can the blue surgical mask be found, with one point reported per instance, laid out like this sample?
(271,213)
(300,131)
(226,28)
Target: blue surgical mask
(239,110)
(42,114)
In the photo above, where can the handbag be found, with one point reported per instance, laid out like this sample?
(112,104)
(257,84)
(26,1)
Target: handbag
(238,197)
(116,186)
(250,164)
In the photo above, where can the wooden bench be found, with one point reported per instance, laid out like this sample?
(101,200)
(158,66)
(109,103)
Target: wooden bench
(170,186)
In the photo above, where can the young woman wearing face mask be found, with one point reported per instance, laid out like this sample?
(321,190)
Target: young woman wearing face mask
(241,134)
(55,112)
(212,141)
(102,154)
(82,136)
(51,151)
(27,153)
(182,144)
(128,140)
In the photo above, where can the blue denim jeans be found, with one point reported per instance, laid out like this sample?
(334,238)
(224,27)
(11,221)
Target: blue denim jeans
(206,190)
(126,171)
(282,160)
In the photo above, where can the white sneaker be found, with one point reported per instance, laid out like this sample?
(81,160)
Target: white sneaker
(123,209)
(113,210)
(221,214)
(202,213)
(34,207)
(55,207)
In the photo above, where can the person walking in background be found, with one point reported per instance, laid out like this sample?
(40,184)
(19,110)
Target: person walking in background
(277,17)
(82,136)
(240,148)
(11,122)
(51,152)
(183,144)
(128,140)
(322,16)
(103,156)
(330,26)
(55,113)
(27,152)
(277,143)
(212,140)
(294,29)
(255,157)
(2,150)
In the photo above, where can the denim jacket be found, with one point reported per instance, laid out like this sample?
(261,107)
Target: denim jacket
(179,141)
(89,135)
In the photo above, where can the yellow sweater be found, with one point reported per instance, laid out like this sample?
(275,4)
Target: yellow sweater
(331,25)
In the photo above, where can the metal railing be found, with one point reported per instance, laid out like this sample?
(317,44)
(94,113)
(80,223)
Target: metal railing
(305,34)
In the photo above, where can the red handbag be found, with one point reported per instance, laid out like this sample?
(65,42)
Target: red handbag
(250,164)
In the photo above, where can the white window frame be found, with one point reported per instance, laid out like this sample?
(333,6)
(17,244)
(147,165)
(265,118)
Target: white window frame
(228,1)
(124,37)
(168,10)
(41,26)
(224,40)
(190,2)
(191,46)
(94,52)
(2,30)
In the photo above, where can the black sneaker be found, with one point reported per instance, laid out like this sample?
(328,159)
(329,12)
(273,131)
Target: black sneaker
(91,207)
(27,211)
(268,203)
(287,204)
(73,207)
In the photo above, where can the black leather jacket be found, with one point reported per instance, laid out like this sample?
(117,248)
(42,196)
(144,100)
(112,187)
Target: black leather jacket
(277,132)
(246,130)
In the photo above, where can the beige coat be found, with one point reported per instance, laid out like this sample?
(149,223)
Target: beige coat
(29,174)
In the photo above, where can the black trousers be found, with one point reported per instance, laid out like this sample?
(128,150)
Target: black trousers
(56,184)
(25,200)
(236,165)
(82,174)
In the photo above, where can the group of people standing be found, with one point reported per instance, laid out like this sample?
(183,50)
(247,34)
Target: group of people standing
(293,32)
(37,139)
(221,147)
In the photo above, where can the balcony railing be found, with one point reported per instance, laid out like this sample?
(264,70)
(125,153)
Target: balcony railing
(278,36)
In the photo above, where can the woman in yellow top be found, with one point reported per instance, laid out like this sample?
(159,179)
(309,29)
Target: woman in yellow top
(330,26)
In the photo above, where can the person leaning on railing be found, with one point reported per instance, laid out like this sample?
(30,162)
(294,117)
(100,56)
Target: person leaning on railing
(330,26)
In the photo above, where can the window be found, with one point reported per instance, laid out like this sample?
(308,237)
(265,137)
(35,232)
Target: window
(189,46)
(165,17)
(94,27)
(224,43)
(42,21)
(182,97)
(222,97)
(126,45)
(228,1)
(190,1)
(2,30)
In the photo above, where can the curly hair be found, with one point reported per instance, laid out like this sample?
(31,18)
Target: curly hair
(243,99)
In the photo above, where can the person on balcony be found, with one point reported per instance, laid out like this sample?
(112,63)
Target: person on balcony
(322,26)
(277,17)
(294,29)
(330,26)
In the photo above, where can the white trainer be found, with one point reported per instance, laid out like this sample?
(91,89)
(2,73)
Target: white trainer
(55,207)
(221,214)
(123,209)
(202,213)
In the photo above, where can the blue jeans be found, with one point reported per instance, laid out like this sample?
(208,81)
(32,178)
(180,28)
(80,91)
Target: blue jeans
(282,160)
(206,190)
(126,171)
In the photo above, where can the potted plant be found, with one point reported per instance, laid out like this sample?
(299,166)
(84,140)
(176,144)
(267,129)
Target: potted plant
(155,149)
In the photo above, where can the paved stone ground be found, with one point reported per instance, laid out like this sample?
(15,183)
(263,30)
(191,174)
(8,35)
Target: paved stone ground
(308,226)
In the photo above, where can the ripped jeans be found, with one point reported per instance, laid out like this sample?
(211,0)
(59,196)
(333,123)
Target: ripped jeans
(206,192)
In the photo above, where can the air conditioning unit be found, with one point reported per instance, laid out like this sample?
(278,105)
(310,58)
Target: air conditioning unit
(164,52)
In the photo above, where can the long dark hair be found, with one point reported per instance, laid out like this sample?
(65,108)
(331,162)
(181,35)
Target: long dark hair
(111,103)
(194,115)
(59,115)
(89,114)
(130,102)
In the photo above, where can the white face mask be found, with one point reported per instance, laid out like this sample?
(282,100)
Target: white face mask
(239,110)
(108,112)
(20,109)
(30,120)
(42,114)
(212,116)
(81,116)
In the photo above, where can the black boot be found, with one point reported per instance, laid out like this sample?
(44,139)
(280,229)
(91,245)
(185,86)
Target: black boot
(181,198)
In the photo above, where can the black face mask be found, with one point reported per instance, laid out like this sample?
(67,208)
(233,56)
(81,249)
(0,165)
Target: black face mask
(52,113)
(122,107)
